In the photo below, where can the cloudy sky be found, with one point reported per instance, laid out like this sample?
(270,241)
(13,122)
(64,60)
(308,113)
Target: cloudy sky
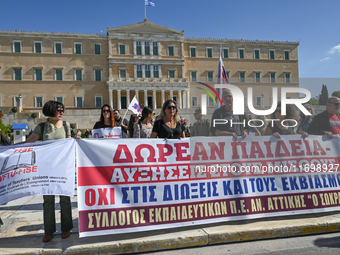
(313,23)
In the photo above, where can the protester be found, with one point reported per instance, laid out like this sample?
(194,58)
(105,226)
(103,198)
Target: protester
(168,126)
(202,126)
(144,127)
(120,122)
(107,119)
(54,128)
(3,140)
(253,131)
(328,122)
(87,133)
(279,126)
(305,120)
(225,112)
(132,123)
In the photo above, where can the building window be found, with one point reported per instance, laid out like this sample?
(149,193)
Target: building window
(272,77)
(59,99)
(77,48)
(146,48)
(97,75)
(139,48)
(171,74)
(286,54)
(171,51)
(225,53)
(210,101)
(98,101)
(57,48)
(242,77)
(37,47)
(194,101)
(258,101)
(147,71)
(257,77)
(193,52)
(241,53)
(209,52)
(97,49)
(155,72)
(122,73)
(287,77)
(193,76)
(58,74)
(38,74)
(210,76)
(17,46)
(122,49)
(271,54)
(78,73)
(257,54)
(17,74)
(155,48)
(38,101)
(79,101)
(139,71)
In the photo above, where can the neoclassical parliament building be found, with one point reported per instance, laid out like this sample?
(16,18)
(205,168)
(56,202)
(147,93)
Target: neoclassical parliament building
(146,60)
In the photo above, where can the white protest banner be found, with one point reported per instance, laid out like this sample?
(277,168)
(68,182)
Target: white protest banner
(42,168)
(146,184)
(115,132)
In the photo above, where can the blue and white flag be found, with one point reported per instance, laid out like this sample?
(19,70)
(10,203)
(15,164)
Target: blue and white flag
(149,3)
(134,106)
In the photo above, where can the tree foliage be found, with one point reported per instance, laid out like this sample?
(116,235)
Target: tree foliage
(336,93)
(6,130)
(324,95)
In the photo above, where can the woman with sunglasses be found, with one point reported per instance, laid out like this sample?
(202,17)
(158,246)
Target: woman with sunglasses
(305,120)
(169,125)
(107,119)
(54,128)
(276,128)
(144,127)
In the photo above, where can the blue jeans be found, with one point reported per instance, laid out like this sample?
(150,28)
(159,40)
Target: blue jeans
(49,214)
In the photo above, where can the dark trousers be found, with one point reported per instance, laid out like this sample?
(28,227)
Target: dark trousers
(49,214)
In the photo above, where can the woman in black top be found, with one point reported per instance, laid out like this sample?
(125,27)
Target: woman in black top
(107,119)
(169,125)
(276,128)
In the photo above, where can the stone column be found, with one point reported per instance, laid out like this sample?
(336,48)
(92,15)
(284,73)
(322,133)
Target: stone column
(145,97)
(154,99)
(163,98)
(119,105)
(110,97)
(128,98)
(171,94)
(180,99)
(188,99)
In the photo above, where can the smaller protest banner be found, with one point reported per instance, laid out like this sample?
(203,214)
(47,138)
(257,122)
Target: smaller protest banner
(115,132)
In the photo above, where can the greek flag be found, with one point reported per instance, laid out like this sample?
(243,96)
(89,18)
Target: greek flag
(149,3)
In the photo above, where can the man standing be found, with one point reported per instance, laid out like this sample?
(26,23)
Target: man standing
(225,123)
(201,127)
(120,122)
(328,122)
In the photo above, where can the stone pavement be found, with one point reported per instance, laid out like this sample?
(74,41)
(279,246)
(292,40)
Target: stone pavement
(23,231)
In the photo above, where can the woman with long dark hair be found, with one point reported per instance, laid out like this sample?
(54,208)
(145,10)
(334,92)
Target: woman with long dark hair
(144,127)
(132,123)
(54,128)
(107,119)
(169,125)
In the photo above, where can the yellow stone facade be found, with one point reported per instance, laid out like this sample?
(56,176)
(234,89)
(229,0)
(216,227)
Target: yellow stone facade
(144,59)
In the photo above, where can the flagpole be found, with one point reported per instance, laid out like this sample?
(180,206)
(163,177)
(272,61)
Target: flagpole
(145,8)
(125,113)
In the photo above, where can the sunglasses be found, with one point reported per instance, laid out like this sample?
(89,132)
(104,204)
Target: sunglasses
(336,104)
(153,113)
(60,110)
(173,107)
(308,109)
(106,111)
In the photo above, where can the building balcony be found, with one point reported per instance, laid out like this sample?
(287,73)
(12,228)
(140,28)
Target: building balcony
(153,80)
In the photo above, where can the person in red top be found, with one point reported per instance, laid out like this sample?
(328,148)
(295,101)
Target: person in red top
(328,122)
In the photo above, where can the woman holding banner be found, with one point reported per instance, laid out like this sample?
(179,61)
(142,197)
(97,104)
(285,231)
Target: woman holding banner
(169,125)
(54,128)
(143,129)
(107,119)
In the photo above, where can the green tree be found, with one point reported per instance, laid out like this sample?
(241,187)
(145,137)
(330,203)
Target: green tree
(336,94)
(314,100)
(324,95)
(6,130)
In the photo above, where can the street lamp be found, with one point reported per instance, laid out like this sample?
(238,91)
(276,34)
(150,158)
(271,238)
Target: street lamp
(262,101)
